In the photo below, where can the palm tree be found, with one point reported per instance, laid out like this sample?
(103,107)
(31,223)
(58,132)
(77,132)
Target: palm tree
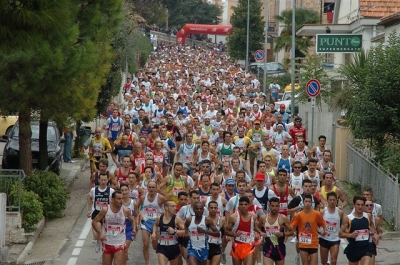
(303,43)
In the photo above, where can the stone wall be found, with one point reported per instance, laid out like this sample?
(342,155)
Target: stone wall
(14,231)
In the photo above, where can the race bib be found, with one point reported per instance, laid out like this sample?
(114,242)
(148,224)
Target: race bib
(114,230)
(194,235)
(150,213)
(115,127)
(139,162)
(226,158)
(362,235)
(245,237)
(213,240)
(305,238)
(256,137)
(271,230)
(97,152)
(100,205)
(175,191)
(166,239)
(331,226)
(283,206)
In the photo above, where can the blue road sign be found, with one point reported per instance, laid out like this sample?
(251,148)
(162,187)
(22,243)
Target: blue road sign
(313,88)
(259,55)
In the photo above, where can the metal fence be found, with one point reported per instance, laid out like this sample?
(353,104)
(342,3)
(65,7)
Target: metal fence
(11,184)
(363,170)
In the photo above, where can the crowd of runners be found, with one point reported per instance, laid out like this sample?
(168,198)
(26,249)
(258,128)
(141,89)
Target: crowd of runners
(207,169)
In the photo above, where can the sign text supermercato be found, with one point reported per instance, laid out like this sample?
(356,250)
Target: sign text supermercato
(344,43)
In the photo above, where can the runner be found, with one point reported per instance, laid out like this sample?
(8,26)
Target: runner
(215,196)
(357,227)
(94,179)
(214,243)
(173,184)
(276,227)
(185,152)
(151,204)
(282,191)
(120,151)
(130,227)
(329,187)
(98,198)
(241,226)
(113,233)
(369,208)
(308,221)
(99,147)
(256,137)
(113,126)
(329,245)
(122,173)
(198,227)
(166,229)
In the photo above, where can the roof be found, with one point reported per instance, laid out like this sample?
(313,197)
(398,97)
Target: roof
(390,19)
(378,8)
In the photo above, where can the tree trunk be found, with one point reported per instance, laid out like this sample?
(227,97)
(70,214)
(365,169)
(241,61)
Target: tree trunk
(25,135)
(43,156)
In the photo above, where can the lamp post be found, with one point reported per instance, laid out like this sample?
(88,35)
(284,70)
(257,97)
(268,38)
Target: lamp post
(265,49)
(293,55)
(247,37)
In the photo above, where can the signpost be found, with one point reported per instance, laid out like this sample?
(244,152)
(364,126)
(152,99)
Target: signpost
(313,88)
(259,55)
(343,43)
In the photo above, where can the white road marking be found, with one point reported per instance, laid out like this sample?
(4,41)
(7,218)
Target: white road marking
(86,229)
(76,251)
(72,261)
(79,243)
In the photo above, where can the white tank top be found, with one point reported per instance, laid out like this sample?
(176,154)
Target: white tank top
(332,221)
(114,227)
(134,193)
(203,158)
(319,154)
(151,209)
(221,209)
(315,178)
(197,240)
(187,153)
(296,182)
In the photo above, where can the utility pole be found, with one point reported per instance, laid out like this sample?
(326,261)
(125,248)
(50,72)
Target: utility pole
(247,37)
(293,55)
(265,48)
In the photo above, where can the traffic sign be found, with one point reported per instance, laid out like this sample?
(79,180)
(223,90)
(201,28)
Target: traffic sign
(259,55)
(312,102)
(313,88)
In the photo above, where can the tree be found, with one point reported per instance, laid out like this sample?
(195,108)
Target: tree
(153,11)
(302,43)
(182,12)
(313,67)
(237,40)
(27,30)
(374,81)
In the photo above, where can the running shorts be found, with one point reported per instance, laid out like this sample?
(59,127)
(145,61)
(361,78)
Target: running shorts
(241,250)
(171,252)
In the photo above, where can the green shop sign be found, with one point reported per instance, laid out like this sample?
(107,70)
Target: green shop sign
(344,43)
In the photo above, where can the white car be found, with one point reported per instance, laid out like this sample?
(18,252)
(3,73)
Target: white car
(286,100)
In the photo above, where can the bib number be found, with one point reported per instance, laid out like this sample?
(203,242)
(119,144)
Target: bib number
(305,238)
(362,235)
(114,230)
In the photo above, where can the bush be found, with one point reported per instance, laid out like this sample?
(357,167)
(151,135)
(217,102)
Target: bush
(31,207)
(51,190)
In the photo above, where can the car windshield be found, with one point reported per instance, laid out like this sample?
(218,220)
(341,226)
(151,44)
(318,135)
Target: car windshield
(51,133)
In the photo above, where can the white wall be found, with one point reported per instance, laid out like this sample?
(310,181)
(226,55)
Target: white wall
(389,30)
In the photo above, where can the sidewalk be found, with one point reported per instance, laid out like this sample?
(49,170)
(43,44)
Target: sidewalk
(47,241)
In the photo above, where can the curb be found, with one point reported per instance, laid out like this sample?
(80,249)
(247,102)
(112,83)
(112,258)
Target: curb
(68,182)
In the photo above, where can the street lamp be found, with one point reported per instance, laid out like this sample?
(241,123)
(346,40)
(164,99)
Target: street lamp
(293,55)
(265,48)
(247,37)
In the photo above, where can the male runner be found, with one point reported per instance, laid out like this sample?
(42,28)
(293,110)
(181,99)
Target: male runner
(276,227)
(329,245)
(198,228)
(113,233)
(308,222)
(357,227)
(151,204)
(166,229)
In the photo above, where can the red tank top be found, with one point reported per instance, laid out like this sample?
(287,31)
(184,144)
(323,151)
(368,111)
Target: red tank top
(283,200)
(244,227)
(138,161)
(122,178)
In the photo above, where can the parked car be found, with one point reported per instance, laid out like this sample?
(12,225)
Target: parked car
(6,123)
(286,100)
(54,147)
(273,69)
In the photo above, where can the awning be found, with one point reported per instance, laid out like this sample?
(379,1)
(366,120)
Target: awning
(314,29)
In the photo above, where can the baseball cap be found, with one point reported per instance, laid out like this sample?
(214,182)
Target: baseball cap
(257,121)
(251,95)
(298,119)
(231,102)
(230,181)
(282,106)
(260,176)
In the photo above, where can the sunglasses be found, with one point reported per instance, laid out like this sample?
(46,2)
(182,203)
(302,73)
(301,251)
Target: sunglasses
(369,205)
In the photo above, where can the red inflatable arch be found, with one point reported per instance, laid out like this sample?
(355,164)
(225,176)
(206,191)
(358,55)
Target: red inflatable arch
(201,29)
